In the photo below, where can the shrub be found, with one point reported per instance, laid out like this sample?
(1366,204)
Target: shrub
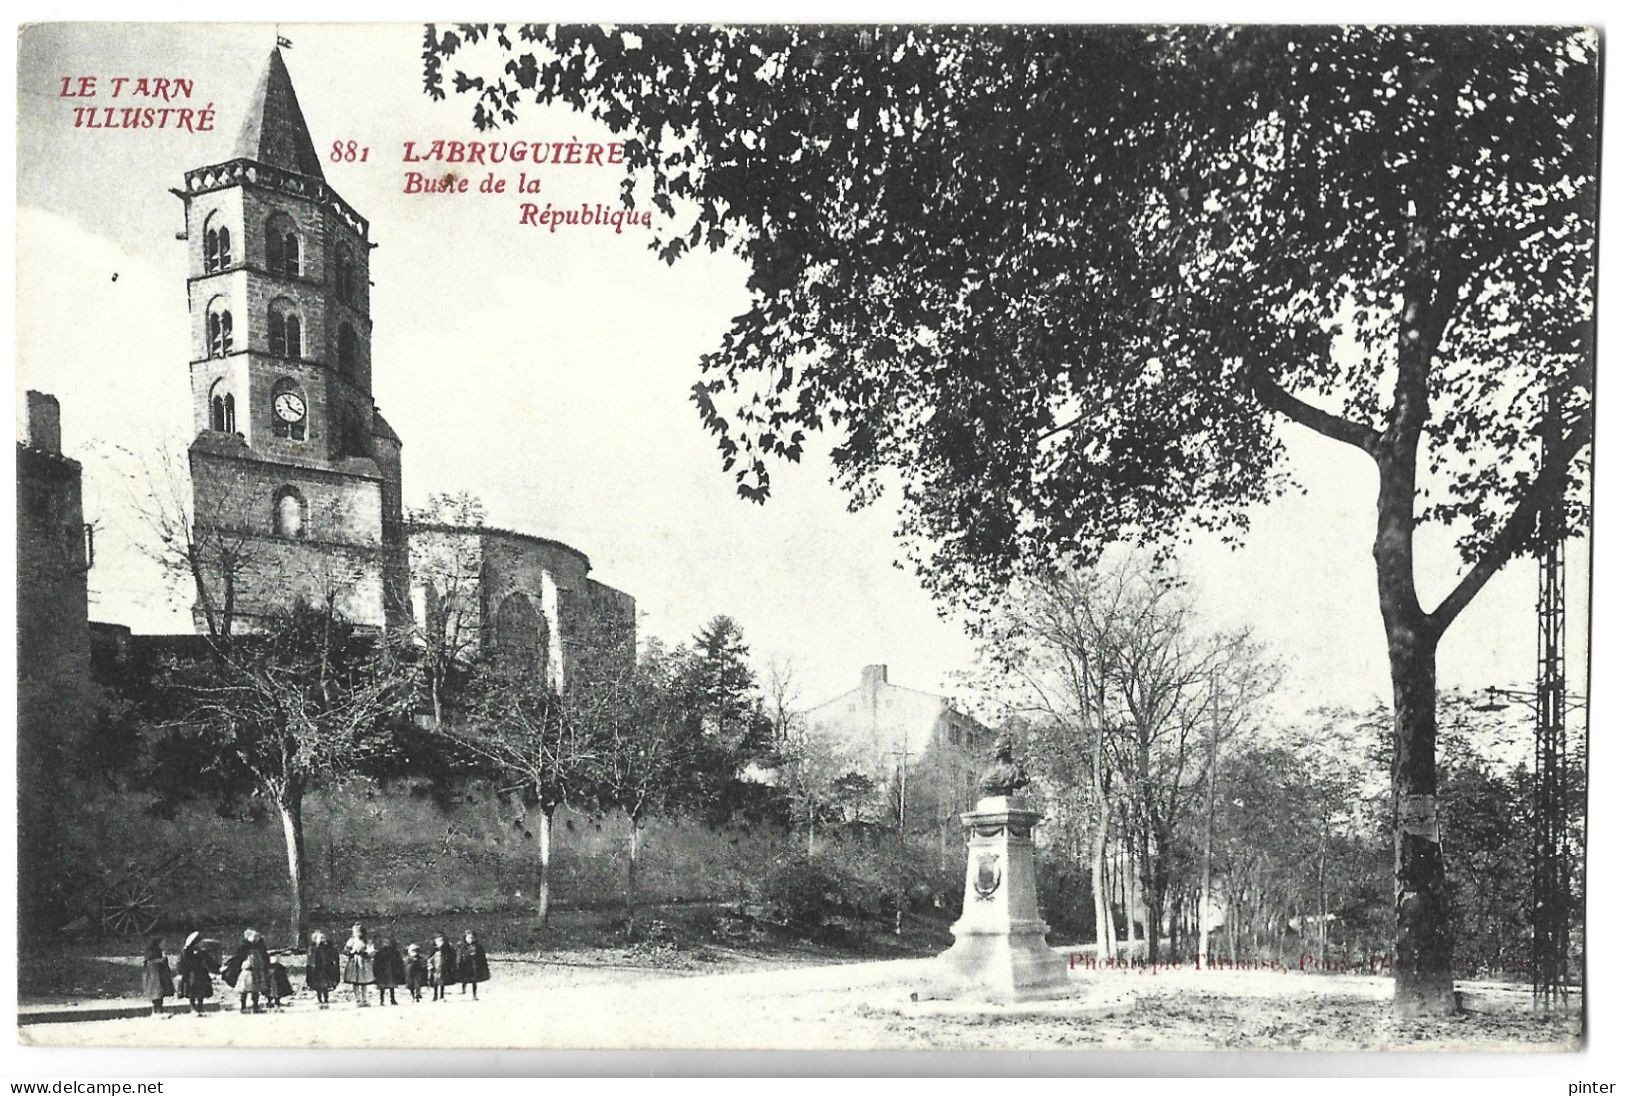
(1065,897)
(809,894)
(850,888)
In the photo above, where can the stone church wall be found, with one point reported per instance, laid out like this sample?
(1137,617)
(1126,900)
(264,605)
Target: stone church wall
(240,492)
(549,577)
(338,550)
(385,851)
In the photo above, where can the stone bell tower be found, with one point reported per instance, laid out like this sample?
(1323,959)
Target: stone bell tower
(296,477)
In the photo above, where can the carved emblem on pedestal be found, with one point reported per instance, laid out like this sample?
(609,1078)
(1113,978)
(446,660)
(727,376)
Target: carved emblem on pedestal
(989,873)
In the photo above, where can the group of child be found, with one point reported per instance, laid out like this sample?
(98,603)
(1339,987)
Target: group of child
(255,972)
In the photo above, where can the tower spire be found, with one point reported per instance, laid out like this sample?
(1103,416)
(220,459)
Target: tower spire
(274,130)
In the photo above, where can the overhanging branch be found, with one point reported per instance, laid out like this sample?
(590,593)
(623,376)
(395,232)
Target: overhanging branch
(1278,399)
(1513,534)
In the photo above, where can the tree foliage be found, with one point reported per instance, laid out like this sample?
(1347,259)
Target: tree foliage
(1066,284)
(724,719)
(310,697)
(1097,261)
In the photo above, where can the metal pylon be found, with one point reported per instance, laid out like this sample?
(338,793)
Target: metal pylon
(1551,883)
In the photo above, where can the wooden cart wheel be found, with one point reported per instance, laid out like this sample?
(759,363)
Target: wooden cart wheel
(129,908)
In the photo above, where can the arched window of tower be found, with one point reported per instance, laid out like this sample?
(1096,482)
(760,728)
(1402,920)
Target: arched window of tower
(520,634)
(281,246)
(216,244)
(347,348)
(222,408)
(282,321)
(219,328)
(288,513)
(344,275)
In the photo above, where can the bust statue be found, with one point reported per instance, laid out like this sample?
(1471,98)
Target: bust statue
(1004,776)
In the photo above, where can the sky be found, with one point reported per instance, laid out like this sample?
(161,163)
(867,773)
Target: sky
(548,373)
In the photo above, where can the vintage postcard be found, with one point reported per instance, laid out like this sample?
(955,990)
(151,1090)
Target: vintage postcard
(804,537)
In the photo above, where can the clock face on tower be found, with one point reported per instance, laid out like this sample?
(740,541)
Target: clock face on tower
(290,407)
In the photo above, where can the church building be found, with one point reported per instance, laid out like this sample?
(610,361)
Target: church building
(296,474)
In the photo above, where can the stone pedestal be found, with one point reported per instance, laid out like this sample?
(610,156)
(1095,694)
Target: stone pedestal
(999,953)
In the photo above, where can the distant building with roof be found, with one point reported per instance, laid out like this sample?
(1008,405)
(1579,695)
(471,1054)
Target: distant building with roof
(923,753)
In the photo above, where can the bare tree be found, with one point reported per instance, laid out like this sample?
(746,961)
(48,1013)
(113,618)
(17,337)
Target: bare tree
(1048,649)
(807,762)
(216,559)
(1116,676)
(539,741)
(1164,670)
(446,569)
(308,698)
(783,697)
(810,764)
(643,752)
(284,696)
(520,729)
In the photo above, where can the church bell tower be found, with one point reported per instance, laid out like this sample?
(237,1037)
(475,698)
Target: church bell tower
(296,477)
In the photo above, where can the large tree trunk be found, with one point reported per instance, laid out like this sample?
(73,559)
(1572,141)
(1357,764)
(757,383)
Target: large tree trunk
(1423,981)
(1423,945)
(1109,882)
(290,805)
(1232,919)
(1322,890)
(544,862)
(1129,877)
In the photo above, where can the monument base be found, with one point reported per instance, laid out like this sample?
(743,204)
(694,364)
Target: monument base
(1004,969)
(999,953)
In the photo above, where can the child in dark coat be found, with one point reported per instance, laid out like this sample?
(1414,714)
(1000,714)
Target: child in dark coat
(321,968)
(472,969)
(249,971)
(388,970)
(156,980)
(194,968)
(417,972)
(442,966)
(278,985)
